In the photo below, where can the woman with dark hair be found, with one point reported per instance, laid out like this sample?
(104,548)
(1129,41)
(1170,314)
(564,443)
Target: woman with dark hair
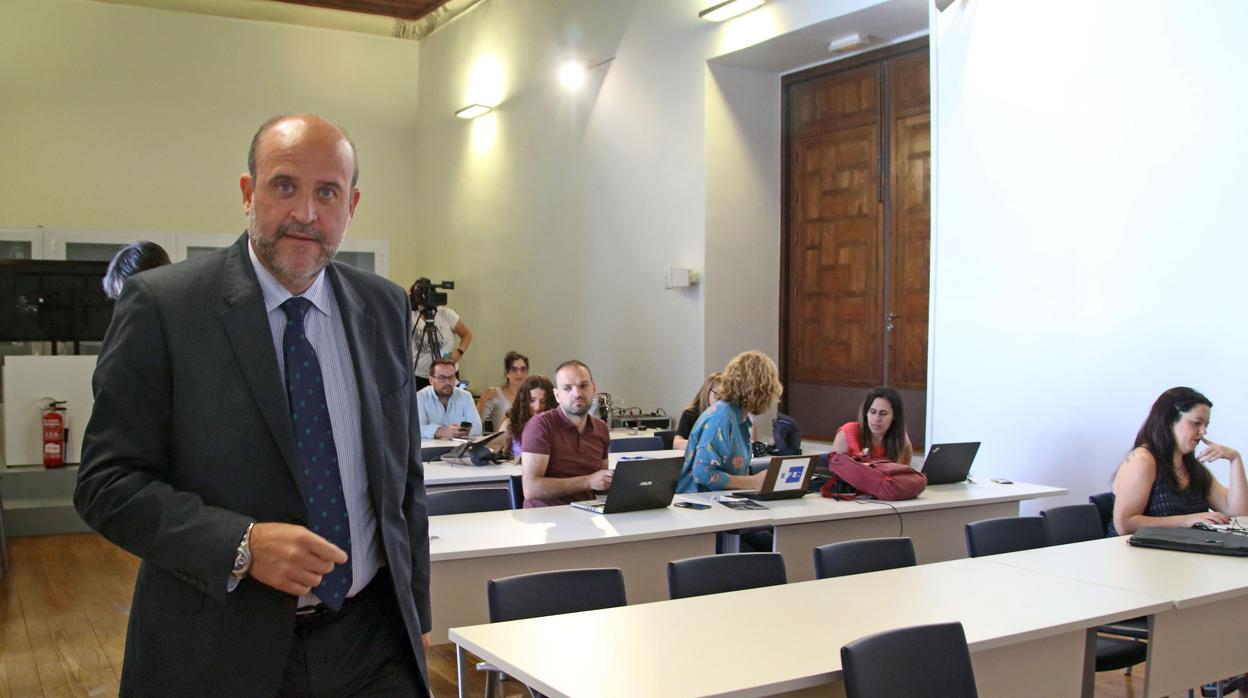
(495,402)
(1163,482)
(880,430)
(708,395)
(536,395)
(130,260)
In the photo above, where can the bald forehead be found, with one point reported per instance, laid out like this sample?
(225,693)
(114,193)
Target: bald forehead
(303,131)
(572,375)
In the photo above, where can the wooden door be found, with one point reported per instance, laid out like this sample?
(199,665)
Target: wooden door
(855,255)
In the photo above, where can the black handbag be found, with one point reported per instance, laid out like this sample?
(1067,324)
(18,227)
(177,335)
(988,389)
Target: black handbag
(475,452)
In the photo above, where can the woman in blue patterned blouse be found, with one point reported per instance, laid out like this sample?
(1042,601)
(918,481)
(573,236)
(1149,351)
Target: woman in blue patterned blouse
(718,455)
(1163,482)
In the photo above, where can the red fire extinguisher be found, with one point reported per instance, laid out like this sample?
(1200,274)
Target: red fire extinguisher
(53,433)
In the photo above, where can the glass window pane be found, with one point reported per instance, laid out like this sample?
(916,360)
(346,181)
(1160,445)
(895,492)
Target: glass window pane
(360,260)
(15,249)
(92,251)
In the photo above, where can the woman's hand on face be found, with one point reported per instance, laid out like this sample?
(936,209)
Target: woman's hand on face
(1216,518)
(1216,452)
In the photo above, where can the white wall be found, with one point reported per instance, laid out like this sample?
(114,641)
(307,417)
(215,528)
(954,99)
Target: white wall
(122,118)
(1088,247)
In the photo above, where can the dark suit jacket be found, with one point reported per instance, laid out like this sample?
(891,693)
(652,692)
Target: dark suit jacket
(191,439)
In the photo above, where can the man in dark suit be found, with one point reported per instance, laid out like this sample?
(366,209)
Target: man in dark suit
(255,440)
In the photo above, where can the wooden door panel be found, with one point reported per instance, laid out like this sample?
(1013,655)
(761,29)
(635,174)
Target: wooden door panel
(909,87)
(834,299)
(910,248)
(844,100)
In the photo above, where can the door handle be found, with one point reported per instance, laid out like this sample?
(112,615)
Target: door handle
(889,325)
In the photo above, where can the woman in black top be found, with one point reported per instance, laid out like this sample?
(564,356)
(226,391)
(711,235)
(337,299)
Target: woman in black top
(707,396)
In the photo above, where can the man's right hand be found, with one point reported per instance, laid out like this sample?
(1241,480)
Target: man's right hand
(450,431)
(599,481)
(291,558)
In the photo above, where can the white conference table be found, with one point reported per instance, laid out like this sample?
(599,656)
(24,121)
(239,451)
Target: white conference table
(439,473)
(935,520)
(1196,641)
(467,550)
(1027,633)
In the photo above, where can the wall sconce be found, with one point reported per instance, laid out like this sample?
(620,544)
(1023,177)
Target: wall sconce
(472,111)
(729,9)
(573,72)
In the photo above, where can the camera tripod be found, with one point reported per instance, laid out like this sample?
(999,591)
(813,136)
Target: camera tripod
(430,340)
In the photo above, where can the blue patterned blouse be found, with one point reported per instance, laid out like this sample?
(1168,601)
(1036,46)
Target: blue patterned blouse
(719,446)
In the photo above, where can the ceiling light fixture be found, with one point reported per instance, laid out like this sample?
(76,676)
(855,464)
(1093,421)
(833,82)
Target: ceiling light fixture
(573,72)
(729,9)
(850,42)
(472,111)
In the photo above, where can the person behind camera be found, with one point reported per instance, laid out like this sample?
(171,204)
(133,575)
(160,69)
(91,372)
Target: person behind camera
(707,395)
(536,396)
(446,322)
(880,430)
(495,402)
(1163,482)
(444,408)
(130,260)
(565,449)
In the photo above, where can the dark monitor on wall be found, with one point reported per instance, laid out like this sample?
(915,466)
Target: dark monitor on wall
(53,301)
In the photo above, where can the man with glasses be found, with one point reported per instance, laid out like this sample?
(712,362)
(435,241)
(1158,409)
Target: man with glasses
(445,408)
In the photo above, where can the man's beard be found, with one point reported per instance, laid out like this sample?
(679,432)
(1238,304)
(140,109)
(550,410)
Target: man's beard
(266,249)
(575,411)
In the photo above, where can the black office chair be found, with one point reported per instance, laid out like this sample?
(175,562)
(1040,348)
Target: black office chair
(468,501)
(515,487)
(1104,503)
(866,555)
(547,594)
(1072,524)
(714,574)
(432,453)
(913,662)
(1005,535)
(668,437)
(637,443)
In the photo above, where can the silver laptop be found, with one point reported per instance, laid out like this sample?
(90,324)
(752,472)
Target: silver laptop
(638,485)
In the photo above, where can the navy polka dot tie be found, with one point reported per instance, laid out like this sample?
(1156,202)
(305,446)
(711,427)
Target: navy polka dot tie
(314,438)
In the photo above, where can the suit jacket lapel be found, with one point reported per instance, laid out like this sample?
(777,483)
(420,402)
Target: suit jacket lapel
(360,324)
(247,326)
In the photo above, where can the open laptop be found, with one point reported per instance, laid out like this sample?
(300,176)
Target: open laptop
(638,485)
(949,463)
(787,478)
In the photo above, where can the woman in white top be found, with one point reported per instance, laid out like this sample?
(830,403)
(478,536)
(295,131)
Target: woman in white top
(495,402)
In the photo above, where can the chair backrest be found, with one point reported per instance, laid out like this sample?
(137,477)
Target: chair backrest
(468,501)
(713,574)
(668,436)
(1005,535)
(1073,524)
(923,660)
(866,555)
(515,486)
(639,443)
(552,593)
(432,453)
(1105,507)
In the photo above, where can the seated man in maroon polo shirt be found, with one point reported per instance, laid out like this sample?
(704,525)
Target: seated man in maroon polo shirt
(565,449)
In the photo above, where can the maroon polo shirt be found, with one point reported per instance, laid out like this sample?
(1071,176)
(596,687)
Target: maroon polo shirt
(572,453)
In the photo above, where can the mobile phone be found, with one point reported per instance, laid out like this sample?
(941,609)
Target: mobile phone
(692,505)
(465,425)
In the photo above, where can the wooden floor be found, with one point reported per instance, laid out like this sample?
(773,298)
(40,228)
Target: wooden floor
(63,610)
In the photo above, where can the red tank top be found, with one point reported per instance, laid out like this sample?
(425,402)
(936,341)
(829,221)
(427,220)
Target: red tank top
(854,444)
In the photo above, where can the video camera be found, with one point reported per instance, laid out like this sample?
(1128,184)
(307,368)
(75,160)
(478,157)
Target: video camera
(425,293)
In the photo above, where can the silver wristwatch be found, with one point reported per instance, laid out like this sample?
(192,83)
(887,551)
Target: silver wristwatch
(242,561)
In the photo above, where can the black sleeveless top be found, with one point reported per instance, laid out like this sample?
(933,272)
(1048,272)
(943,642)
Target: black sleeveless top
(1165,500)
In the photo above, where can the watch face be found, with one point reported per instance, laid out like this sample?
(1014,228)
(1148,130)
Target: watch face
(242,561)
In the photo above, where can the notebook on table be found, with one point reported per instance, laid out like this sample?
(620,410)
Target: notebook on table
(946,464)
(638,485)
(1192,540)
(787,478)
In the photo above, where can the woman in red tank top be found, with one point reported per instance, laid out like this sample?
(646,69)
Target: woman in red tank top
(880,430)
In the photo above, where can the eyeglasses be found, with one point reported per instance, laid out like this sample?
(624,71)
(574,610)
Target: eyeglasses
(518,369)
(436,377)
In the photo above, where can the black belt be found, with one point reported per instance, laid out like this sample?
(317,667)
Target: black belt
(322,613)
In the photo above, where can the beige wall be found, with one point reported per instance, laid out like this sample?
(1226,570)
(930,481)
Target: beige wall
(130,119)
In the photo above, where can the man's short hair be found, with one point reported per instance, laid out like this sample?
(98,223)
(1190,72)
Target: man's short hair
(572,362)
(442,362)
(255,142)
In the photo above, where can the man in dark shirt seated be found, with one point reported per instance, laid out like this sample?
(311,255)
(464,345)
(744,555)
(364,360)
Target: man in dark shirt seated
(565,449)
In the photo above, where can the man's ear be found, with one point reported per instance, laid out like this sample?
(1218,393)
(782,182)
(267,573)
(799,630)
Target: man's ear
(245,184)
(355,200)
